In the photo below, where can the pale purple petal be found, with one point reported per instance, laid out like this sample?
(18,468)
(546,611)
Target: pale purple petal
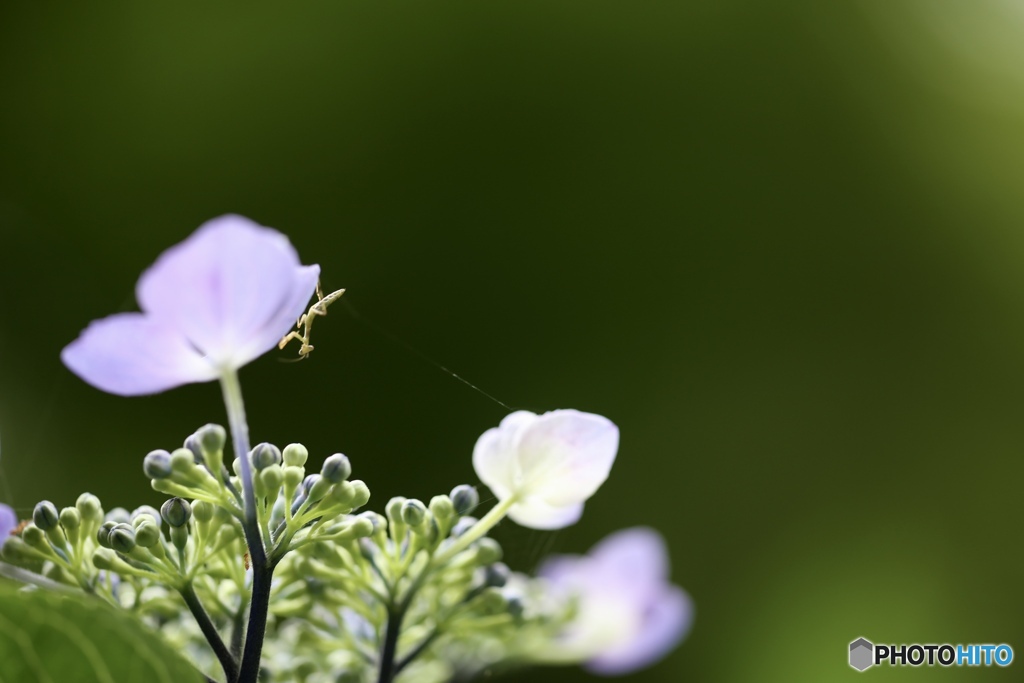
(666,620)
(635,559)
(535,513)
(8,522)
(494,456)
(566,455)
(130,354)
(303,287)
(232,289)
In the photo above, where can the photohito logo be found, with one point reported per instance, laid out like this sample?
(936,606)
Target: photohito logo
(864,654)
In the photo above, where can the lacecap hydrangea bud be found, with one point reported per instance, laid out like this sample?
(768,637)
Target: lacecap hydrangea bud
(203,511)
(463,525)
(496,575)
(145,511)
(465,499)
(360,494)
(89,507)
(336,468)
(34,536)
(211,438)
(118,516)
(103,533)
(295,455)
(192,444)
(147,534)
(45,515)
(122,538)
(413,512)
(487,551)
(176,512)
(264,455)
(70,519)
(157,464)
(443,509)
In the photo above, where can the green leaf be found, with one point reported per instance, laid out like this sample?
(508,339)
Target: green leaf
(51,638)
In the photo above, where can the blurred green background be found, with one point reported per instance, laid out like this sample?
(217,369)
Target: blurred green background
(780,244)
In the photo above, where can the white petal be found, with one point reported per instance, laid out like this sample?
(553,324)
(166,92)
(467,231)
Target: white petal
(494,456)
(536,513)
(566,455)
(130,354)
(227,288)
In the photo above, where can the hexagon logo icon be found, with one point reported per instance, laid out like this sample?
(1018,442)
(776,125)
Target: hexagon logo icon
(861,654)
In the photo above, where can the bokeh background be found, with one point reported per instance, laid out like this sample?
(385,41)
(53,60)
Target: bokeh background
(780,244)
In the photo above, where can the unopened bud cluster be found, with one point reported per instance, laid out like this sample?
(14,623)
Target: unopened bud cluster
(335,565)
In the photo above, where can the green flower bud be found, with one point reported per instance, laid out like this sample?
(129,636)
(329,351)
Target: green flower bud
(183,463)
(264,455)
(336,468)
(361,527)
(272,477)
(487,551)
(317,487)
(443,509)
(413,512)
(295,455)
(293,475)
(176,512)
(465,499)
(211,438)
(89,507)
(157,464)
(70,519)
(16,551)
(35,537)
(143,512)
(360,494)
(122,538)
(104,558)
(342,494)
(103,534)
(394,509)
(45,515)
(203,511)
(147,534)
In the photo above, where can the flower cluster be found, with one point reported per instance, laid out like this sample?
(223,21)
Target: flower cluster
(258,565)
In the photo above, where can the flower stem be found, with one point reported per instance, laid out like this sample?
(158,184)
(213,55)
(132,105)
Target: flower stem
(262,570)
(494,515)
(227,661)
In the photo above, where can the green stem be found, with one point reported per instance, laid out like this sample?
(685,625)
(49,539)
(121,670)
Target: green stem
(227,661)
(477,531)
(262,570)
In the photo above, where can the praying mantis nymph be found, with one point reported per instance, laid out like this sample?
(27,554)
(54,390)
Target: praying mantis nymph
(305,323)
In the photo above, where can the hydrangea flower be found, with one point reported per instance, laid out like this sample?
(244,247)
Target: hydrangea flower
(546,465)
(629,616)
(211,304)
(8,523)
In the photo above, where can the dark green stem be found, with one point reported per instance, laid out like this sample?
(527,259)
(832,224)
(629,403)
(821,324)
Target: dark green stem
(227,661)
(259,607)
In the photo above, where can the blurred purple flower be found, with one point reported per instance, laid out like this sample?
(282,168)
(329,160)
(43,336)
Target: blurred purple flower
(8,523)
(629,616)
(210,304)
(547,465)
